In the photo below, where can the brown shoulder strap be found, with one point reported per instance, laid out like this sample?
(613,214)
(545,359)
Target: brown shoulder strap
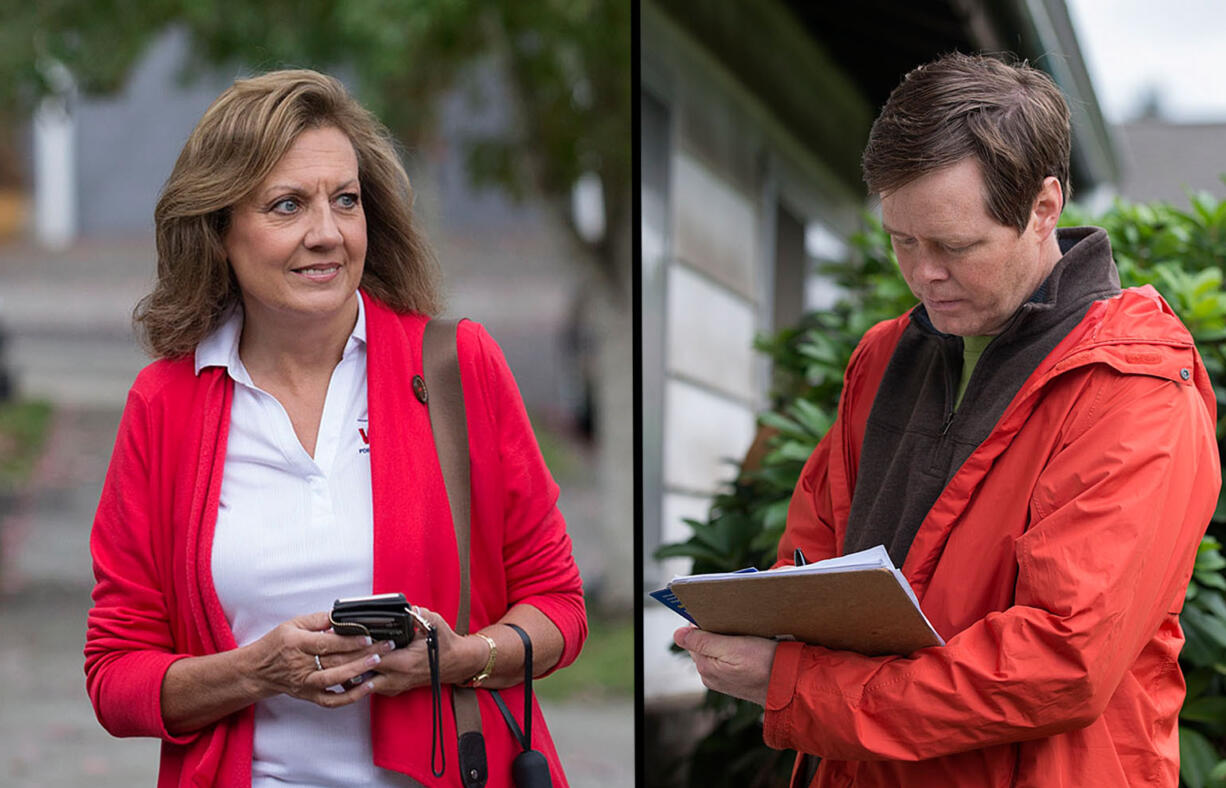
(445,402)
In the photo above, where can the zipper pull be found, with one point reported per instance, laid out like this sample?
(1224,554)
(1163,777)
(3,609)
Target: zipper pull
(948,421)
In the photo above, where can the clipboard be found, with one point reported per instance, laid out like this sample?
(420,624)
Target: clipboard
(859,602)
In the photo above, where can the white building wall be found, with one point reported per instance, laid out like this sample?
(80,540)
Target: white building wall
(710,385)
(713,225)
(709,244)
(705,436)
(710,333)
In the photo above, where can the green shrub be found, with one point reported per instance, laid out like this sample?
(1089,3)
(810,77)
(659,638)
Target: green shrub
(24,425)
(1181,253)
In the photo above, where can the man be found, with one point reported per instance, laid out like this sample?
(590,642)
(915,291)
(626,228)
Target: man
(1034,447)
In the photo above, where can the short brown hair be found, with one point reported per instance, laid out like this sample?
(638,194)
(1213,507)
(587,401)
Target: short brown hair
(233,148)
(1011,118)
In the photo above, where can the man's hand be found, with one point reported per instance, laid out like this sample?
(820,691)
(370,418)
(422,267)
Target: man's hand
(736,665)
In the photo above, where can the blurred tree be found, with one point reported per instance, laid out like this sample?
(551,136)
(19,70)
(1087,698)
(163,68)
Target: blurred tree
(565,67)
(566,64)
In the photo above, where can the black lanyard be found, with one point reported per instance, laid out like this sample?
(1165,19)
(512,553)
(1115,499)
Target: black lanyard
(529,769)
(436,710)
(436,696)
(524,736)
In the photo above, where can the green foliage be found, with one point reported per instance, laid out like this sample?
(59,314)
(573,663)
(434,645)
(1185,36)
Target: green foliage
(1202,721)
(98,41)
(1181,253)
(24,425)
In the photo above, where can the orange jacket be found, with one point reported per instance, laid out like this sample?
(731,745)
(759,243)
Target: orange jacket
(1054,563)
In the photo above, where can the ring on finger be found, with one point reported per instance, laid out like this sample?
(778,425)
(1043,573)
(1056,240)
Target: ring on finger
(318,665)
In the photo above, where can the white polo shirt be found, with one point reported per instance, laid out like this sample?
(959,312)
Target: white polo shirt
(294,533)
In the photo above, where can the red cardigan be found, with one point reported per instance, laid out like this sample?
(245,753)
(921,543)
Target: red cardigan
(154,600)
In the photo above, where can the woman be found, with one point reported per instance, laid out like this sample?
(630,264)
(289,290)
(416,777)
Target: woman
(275,458)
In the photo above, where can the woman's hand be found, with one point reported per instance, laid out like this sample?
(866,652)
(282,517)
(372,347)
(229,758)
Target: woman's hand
(460,658)
(284,661)
(198,691)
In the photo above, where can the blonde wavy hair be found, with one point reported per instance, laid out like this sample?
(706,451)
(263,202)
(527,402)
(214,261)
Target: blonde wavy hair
(231,151)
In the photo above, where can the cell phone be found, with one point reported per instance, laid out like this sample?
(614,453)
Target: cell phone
(379,617)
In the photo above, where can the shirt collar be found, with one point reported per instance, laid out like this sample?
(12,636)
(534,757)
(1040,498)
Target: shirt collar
(220,348)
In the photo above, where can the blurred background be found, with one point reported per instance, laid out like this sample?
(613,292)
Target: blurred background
(514,121)
(759,267)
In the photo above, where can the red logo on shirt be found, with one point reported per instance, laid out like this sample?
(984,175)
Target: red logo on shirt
(365,437)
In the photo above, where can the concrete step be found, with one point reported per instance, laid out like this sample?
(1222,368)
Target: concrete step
(74,368)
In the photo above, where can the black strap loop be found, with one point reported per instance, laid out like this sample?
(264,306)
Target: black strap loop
(436,705)
(524,736)
(527,685)
(511,723)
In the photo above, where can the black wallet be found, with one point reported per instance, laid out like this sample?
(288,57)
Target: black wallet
(381,617)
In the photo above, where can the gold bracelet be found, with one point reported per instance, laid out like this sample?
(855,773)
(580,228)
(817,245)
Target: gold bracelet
(488,670)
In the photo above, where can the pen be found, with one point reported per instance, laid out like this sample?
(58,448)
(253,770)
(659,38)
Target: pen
(798,557)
